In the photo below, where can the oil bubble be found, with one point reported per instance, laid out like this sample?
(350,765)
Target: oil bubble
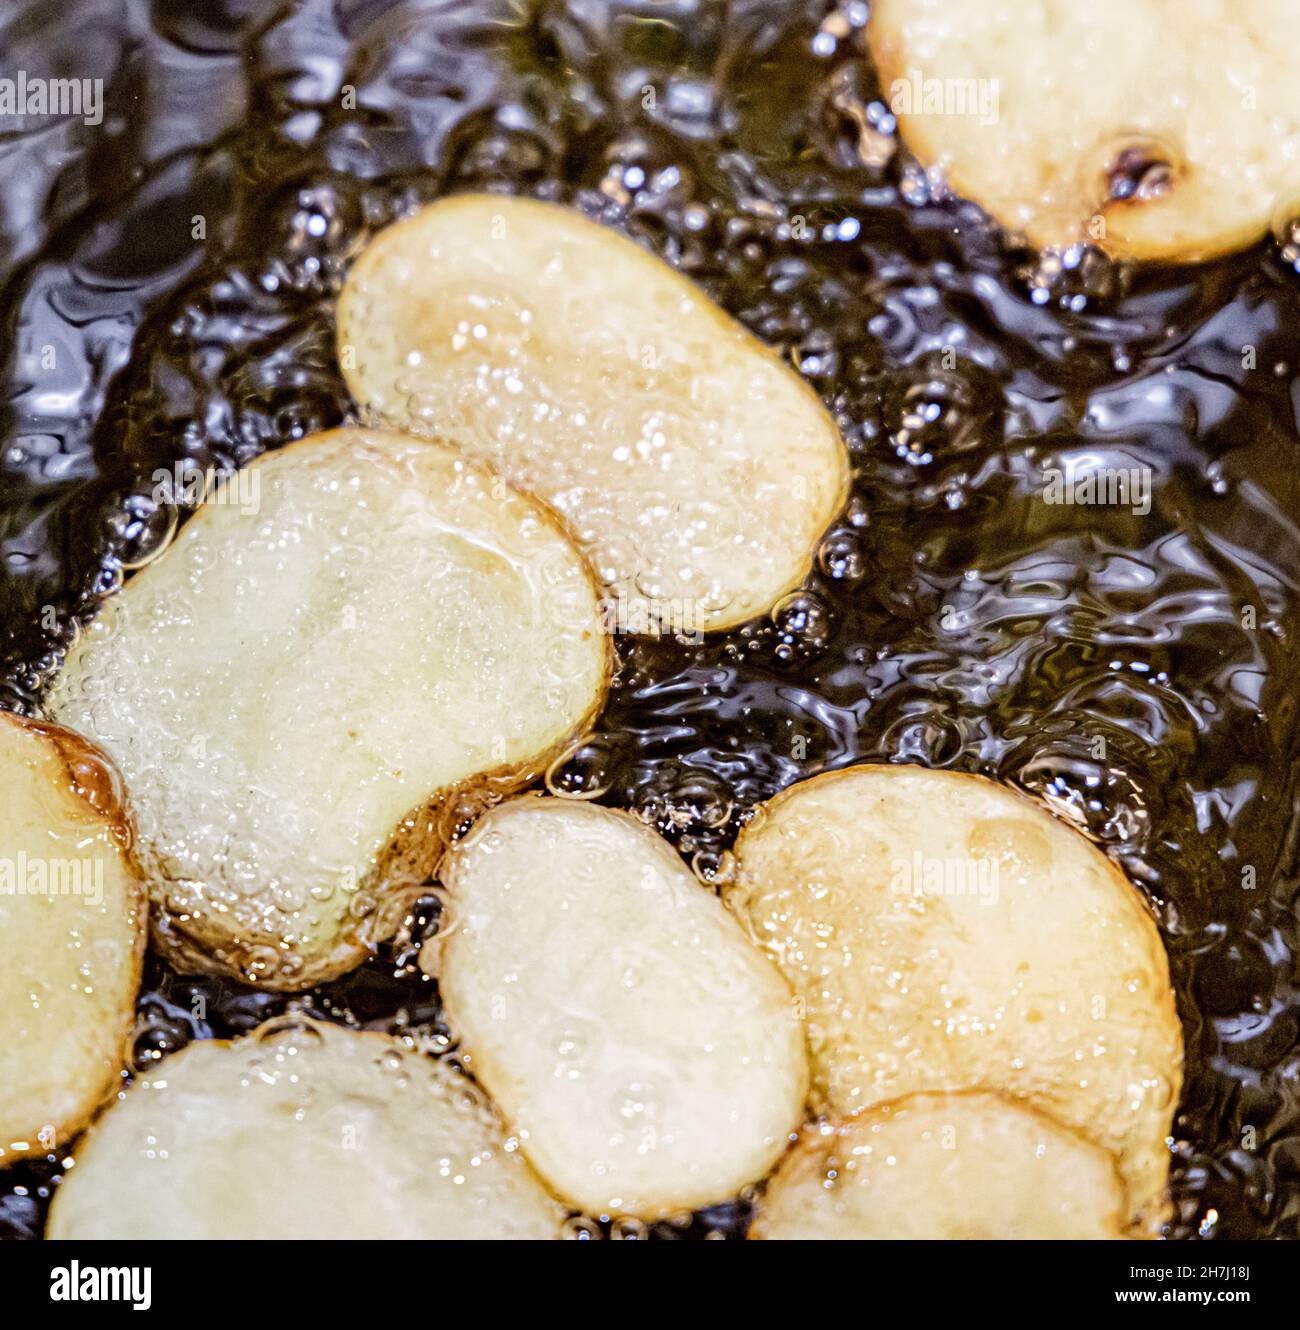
(841,557)
(714,868)
(292,1029)
(696,801)
(585,770)
(140,530)
(803,625)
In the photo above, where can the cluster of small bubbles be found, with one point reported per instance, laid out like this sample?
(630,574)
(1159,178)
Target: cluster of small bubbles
(622,179)
(395,1065)
(572,1043)
(586,769)
(106,581)
(753,817)
(394,910)
(1073,278)
(915,186)
(260,961)
(802,624)
(697,799)
(319,230)
(26,681)
(433,1038)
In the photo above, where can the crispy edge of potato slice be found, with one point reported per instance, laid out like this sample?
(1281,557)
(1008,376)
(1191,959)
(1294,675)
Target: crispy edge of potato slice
(641,1193)
(797,1202)
(426,833)
(92,780)
(1150,1210)
(1142,227)
(284,1034)
(422,834)
(364,390)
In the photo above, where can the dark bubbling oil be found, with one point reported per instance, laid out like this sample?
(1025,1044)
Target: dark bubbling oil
(1133,668)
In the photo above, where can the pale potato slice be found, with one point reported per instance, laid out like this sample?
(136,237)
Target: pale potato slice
(946,933)
(696,468)
(965,1166)
(72,935)
(1158,129)
(301,1130)
(644,1050)
(304,700)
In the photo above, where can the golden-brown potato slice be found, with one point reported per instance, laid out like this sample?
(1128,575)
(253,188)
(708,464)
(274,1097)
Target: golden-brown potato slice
(962,1166)
(696,468)
(643,1048)
(946,933)
(300,699)
(301,1131)
(1158,129)
(72,934)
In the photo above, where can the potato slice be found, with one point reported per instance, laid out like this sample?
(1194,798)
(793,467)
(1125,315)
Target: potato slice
(302,701)
(1158,129)
(645,1051)
(964,1166)
(301,1130)
(695,467)
(946,933)
(72,934)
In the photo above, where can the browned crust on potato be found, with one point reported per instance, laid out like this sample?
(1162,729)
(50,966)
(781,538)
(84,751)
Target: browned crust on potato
(1097,200)
(417,847)
(88,771)
(423,834)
